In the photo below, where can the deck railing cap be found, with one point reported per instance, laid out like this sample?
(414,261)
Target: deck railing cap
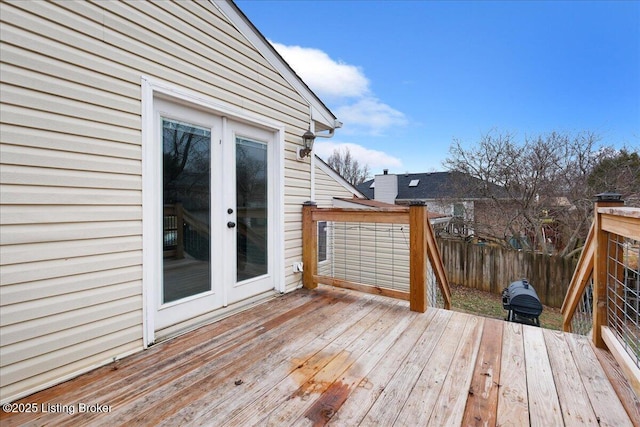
(609,196)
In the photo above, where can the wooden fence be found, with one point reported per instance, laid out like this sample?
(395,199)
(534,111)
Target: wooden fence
(491,269)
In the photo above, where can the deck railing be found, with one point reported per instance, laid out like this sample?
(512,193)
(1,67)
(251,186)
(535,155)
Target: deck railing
(391,252)
(577,308)
(607,281)
(173,231)
(183,232)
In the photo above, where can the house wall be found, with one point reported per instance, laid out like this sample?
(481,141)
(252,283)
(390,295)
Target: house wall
(375,254)
(459,225)
(372,254)
(464,225)
(368,253)
(327,187)
(71,289)
(487,223)
(386,188)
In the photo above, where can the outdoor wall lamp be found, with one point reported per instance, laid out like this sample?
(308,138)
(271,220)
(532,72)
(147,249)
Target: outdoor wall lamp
(307,141)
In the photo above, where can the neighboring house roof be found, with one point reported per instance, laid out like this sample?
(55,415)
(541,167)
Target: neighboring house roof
(378,204)
(558,202)
(436,185)
(320,113)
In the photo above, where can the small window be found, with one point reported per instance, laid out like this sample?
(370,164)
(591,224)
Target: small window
(373,185)
(414,183)
(458,210)
(322,241)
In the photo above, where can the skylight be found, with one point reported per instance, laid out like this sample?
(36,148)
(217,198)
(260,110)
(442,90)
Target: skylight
(414,183)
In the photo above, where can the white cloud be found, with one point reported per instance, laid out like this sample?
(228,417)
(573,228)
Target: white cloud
(325,76)
(375,159)
(371,114)
(346,88)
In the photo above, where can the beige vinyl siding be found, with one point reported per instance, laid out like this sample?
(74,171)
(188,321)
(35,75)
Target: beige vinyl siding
(326,188)
(297,191)
(373,254)
(71,174)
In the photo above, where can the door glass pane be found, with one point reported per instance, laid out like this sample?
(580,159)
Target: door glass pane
(251,208)
(187,199)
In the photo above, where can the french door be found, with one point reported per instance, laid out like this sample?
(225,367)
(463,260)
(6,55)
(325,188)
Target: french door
(217,205)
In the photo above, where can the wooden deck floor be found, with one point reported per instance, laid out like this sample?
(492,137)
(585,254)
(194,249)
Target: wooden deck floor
(344,358)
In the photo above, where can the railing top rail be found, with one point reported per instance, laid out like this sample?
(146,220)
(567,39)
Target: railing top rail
(628,212)
(379,215)
(361,210)
(621,221)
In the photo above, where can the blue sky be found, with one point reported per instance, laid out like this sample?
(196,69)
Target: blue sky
(408,77)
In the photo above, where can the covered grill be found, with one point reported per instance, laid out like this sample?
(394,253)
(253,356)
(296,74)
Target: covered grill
(522,303)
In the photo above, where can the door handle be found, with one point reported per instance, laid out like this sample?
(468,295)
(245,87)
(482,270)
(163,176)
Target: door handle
(231,224)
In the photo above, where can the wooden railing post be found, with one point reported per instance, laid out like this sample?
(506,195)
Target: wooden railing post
(418,220)
(309,246)
(600,267)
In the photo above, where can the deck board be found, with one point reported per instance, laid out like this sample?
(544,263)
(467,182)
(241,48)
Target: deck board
(177,383)
(332,399)
(455,390)
(260,363)
(576,407)
(220,372)
(608,408)
(339,357)
(305,366)
(371,387)
(402,384)
(544,407)
(328,381)
(482,403)
(513,407)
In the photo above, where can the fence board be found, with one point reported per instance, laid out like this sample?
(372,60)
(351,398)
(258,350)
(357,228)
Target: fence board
(492,268)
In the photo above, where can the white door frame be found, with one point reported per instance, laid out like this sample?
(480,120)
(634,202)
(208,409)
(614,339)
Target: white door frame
(239,290)
(152,171)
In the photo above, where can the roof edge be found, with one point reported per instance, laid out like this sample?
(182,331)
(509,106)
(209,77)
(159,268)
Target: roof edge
(337,177)
(318,110)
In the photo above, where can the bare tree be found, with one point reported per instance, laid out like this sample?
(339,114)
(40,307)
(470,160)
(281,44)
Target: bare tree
(349,168)
(618,171)
(542,193)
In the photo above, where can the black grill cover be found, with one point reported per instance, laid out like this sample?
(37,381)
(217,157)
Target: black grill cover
(521,298)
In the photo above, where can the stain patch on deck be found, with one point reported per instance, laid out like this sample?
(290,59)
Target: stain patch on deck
(304,368)
(328,404)
(320,383)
